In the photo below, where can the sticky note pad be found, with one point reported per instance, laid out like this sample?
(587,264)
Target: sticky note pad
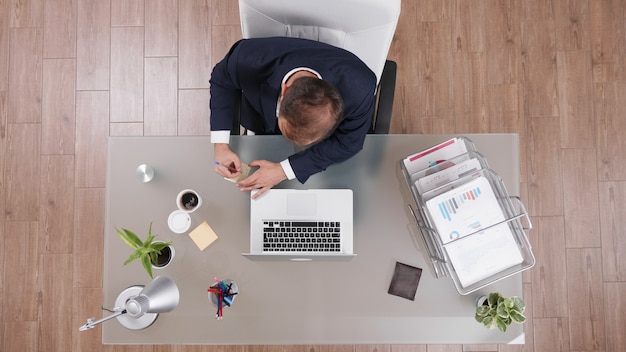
(203,235)
(245,171)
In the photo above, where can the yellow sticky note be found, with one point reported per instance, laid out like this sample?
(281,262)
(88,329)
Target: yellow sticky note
(245,171)
(203,235)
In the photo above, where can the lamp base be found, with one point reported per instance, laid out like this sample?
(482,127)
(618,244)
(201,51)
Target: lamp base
(127,321)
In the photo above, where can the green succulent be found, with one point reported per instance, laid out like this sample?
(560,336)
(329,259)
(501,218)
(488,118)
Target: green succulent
(147,250)
(500,312)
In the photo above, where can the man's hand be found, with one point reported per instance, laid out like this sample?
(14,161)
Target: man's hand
(267,176)
(227,163)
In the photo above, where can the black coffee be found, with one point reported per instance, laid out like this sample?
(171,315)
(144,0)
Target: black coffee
(189,201)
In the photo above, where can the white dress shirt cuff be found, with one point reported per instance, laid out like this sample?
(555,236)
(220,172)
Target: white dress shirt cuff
(286,165)
(220,137)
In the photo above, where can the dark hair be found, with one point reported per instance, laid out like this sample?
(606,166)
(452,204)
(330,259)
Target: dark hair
(312,108)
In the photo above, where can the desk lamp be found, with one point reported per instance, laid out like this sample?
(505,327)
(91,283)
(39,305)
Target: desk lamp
(137,307)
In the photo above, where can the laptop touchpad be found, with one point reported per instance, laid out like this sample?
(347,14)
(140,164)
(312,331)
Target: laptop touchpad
(301,204)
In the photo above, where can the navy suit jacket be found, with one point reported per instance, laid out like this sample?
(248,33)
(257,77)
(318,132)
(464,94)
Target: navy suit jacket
(256,67)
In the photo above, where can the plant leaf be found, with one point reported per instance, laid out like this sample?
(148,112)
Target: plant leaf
(493,299)
(135,255)
(129,237)
(145,260)
(501,325)
(158,246)
(502,310)
(517,317)
(518,304)
(482,311)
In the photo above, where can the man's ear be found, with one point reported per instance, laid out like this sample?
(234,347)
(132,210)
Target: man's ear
(283,89)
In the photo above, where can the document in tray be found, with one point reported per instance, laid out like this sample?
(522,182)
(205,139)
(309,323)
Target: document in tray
(434,155)
(467,209)
(449,174)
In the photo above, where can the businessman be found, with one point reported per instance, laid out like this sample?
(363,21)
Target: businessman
(319,97)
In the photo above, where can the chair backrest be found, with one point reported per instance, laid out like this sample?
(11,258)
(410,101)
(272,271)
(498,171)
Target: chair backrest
(363,27)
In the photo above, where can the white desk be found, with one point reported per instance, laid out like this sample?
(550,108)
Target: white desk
(289,302)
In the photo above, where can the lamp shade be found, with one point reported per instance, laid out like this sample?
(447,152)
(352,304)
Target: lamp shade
(159,296)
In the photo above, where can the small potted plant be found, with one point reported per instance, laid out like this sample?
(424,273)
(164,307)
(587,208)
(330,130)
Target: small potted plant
(498,311)
(152,253)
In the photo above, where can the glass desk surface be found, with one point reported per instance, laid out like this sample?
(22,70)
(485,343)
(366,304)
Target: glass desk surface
(290,302)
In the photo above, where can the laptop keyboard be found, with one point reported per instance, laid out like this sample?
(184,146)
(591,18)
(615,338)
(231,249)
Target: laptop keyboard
(301,236)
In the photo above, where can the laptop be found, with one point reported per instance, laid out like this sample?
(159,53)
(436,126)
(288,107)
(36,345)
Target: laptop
(302,225)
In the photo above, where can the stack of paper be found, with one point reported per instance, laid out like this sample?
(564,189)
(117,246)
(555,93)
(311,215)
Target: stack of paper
(462,207)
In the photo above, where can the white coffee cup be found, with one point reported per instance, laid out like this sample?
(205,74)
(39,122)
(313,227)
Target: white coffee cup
(188,200)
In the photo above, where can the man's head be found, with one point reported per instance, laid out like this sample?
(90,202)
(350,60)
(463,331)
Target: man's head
(310,110)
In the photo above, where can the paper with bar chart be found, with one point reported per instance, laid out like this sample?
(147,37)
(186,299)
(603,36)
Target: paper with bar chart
(466,210)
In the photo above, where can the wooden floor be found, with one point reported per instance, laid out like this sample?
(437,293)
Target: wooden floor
(73,72)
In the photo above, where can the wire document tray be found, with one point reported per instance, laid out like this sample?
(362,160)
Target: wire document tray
(472,230)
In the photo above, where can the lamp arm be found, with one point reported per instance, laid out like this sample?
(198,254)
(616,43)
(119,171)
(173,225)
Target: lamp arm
(91,323)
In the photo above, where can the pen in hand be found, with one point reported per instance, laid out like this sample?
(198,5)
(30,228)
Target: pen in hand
(230,168)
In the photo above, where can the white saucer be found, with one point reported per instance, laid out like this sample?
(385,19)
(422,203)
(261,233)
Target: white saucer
(179,221)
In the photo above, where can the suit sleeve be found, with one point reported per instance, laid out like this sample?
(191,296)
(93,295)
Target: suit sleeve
(344,143)
(224,90)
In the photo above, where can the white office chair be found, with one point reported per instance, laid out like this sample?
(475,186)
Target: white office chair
(363,27)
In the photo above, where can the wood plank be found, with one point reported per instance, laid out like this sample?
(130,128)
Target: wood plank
(126,129)
(193,112)
(614,307)
(194,44)
(405,43)
(537,10)
(549,276)
(222,38)
(88,237)
(613,223)
(225,13)
(162,27)
(3,151)
(551,334)
(58,118)
(433,10)
(608,44)
(127,12)
(21,259)
(22,172)
(480,348)
(92,129)
(469,93)
(503,41)
(161,97)
(26,13)
(469,26)
(576,109)
(444,348)
(56,301)
(572,23)
(56,212)
(59,29)
(545,189)
(2,244)
(503,109)
(86,304)
(408,348)
(372,348)
(4,46)
(127,55)
(581,208)
(609,108)
(20,336)
(586,299)
(93,44)
(539,72)
(25,75)
(434,73)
